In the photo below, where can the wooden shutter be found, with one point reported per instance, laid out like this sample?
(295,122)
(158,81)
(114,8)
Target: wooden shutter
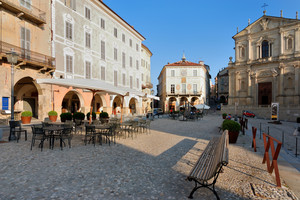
(115,78)
(103,50)
(103,73)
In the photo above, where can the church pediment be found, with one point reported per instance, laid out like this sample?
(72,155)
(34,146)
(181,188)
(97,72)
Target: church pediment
(265,23)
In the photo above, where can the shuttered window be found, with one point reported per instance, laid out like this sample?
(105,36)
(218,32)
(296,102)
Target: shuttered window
(69,34)
(4,103)
(88,70)
(87,40)
(131,82)
(71,4)
(87,13)
(102,23)
(115,78)
(137,65)
(26,3)
(123,79)
(123,60)
(115,54)
(25,43)
(69,64)
(103,73)
(130,61)
(103,50)
(138,83)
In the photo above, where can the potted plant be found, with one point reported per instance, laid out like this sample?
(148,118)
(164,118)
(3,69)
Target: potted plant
(93,115)
(104,117)
(233,129)
(78,115)
(26,117)
(65,116)
(224,115)
(52,115)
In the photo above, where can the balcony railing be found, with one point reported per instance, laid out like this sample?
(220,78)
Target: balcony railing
(29,57)
(147,85)
(27,11)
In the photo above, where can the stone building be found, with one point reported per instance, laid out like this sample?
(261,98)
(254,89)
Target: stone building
(92,42)
(222,86)
(266,67)
(26,28)
(183,82)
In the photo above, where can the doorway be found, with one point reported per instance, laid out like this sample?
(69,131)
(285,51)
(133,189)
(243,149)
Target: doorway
(264,93)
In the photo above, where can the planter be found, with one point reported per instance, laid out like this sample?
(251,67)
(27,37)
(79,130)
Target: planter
(26,120)
(233,136)
(53,118)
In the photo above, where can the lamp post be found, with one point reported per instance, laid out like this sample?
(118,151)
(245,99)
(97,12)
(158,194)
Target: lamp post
(12,58)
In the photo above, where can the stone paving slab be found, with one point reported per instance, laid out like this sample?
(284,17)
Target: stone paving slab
(149,166)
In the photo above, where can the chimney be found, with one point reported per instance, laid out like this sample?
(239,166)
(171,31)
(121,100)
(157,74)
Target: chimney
(280,13)
(201,62)
(248,22)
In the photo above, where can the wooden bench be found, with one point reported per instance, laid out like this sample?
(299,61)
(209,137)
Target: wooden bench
(210,164)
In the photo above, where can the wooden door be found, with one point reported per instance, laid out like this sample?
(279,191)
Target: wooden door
(265,93)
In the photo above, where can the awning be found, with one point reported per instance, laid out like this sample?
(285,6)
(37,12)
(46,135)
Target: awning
(153,97)
(90,84)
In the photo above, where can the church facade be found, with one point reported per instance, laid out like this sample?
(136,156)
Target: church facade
(266,68)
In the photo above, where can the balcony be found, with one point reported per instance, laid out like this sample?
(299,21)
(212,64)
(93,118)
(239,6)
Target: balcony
(29,58)
(185,93)
(32,13)
(147,85)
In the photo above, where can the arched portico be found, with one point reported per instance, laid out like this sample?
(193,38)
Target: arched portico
(72,102)
(116,105)
(195,101)
(172,104)
(133,103)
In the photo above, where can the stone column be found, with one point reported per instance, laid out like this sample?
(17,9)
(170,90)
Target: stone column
(231,83)
(281,41)
(281,79)
(249,49)
(297,40)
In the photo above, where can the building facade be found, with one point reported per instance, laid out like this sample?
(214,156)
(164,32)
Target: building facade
(222,86)
(266,67)
(26,30)
(146,79)
(183,82)
(92,42)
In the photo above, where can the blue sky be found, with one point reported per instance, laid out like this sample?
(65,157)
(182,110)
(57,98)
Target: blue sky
(201,29)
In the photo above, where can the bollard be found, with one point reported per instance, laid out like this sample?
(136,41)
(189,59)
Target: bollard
(282,138)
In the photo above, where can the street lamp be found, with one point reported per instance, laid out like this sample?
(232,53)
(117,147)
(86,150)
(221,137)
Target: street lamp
(12,58)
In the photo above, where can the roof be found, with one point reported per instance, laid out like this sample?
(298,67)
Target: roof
(184,63)
(101,1)
(145,47)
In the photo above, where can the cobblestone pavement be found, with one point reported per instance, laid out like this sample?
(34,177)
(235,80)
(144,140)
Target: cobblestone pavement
(149,166)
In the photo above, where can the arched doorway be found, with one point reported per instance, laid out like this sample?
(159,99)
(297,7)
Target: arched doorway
(117,105)
(183,101)
(26,96)
(132,105)
(195,101)
(97,104)
(222,99)
(172,104)
(71,102)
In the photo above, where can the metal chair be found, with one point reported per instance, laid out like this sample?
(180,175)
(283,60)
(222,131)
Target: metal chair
(78,125)
(90,134)
(38,134)
(16,128)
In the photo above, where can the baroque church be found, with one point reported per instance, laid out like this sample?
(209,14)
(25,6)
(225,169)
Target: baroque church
(266,68)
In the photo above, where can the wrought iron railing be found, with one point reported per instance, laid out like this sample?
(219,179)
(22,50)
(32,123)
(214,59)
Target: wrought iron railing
(27,55)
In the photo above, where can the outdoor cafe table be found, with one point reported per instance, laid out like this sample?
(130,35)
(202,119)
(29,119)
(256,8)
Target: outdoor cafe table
(52,132)
(103,130)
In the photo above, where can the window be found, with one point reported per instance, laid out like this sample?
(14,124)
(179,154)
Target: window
(130,61)
(195,88)
(88,70)
(138,83)
(69,64)
(143,63)
(87,40)
(69,32)
(115,78)
(25,43)
(137,47)
(116,32)
(103,50)
(103,73)
(26,3)
(123,60)
(290,43)
(102,23)
(243,52)
(265,49)
(115,54)
(183,88)
(130,42)
(173,89)
(123,79)
(130,82)
(172,73)
(123,37)
(5,103)
(71,4)
(142,77)
(87,13)
(137,64)
(194,72)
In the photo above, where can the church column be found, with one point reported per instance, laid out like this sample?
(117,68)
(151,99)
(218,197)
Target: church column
(297,40)
(255,91)
(249,83)
(297,80)
(281,80)
(281,42)
(249,49)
